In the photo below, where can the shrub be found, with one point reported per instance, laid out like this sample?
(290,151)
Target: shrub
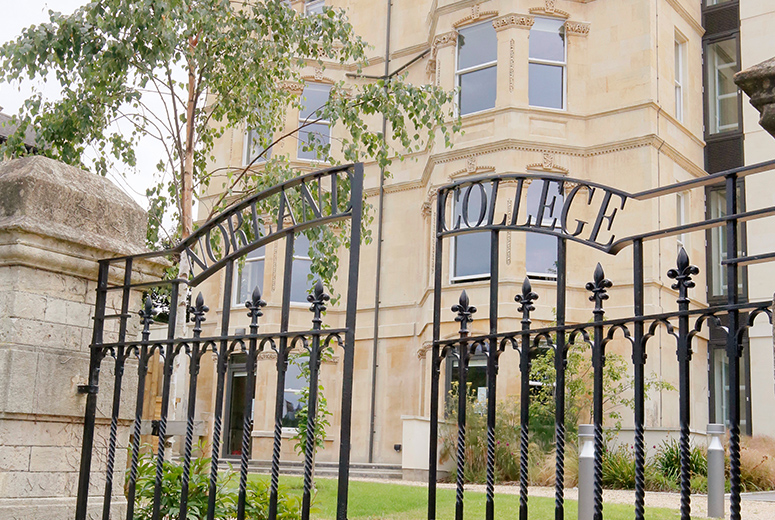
(668,460)
(618,468)
(757,467)
(257,503)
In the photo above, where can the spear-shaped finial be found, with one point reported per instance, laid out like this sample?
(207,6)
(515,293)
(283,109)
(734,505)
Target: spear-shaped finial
(254,305)
(526,299)
(683,275)
(318,299)
(146,315)
(199,310)
(464,312)
(599,287)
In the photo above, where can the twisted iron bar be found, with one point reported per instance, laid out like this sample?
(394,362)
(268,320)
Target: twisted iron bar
(734,464)
(523,467)
(461,463)
(490,491)
(598,473)
(559,473)
(640,471)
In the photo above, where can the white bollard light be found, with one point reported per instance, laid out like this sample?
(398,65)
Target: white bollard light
(586,471)
(716,477)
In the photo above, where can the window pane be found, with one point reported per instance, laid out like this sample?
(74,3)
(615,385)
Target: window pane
(545,86)
(315,7)
(547,40)
(723,107)
(472,254)
(320,133)
(715,2)
(250,275)
(476,45)
(541,255)
(294,383)
(301,286)
(256,145)
(554,199)
(477,90)
(315,96)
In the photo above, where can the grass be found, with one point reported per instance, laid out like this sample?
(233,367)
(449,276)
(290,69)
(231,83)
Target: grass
(382,501)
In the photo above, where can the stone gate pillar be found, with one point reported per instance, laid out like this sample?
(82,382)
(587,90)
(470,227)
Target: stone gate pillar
(56,222)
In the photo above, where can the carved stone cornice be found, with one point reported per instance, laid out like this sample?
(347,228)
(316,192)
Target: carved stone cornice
(576,28)
(549,9)
(444,40)
(476,15)
(523,21)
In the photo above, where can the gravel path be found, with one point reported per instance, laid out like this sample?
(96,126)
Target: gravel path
(751,508)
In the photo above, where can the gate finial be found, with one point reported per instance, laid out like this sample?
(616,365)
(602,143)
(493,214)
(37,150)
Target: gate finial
(599,288)
(526,299)
(199,310)
(464,312)
(254,305)
(683,276)
(146,314)
(318,299)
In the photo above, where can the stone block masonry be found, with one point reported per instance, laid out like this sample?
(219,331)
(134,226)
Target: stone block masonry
(56,223)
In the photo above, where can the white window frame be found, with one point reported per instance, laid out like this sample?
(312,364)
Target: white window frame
(715,123)
(302,121)
(461,72)
(680,220)
(453,249)
(680,76)
(563,64)
(290,430)
(547,221)
(238,278)
(312,7)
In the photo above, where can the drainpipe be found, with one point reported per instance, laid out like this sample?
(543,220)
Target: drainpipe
(380,214)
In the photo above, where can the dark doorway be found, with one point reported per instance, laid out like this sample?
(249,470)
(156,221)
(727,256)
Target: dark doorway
(237,378)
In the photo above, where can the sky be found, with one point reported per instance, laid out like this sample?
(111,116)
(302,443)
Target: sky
(20,14)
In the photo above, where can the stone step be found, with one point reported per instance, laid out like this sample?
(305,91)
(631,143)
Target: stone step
(322,469)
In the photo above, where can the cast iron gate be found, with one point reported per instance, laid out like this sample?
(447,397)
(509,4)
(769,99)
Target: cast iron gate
(456,215)
(315,199)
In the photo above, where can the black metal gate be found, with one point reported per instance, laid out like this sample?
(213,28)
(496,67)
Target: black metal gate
(314,199)
(456,215)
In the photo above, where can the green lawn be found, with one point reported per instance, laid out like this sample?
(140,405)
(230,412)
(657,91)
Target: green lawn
(380,501)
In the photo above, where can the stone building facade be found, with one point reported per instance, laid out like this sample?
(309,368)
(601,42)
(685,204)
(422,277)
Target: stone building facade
(610,92)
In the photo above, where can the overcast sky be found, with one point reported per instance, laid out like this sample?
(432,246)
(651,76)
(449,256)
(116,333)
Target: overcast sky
(18,14)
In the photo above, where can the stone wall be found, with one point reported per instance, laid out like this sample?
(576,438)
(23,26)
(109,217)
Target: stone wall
(56,222)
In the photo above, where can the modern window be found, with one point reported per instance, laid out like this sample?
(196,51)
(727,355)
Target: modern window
(301,286)
(543,209)
(471,252)
(717,241)
(477,61)
(546,70)
(680,76)
(722,95)
(314,6)
(316,129)
(680,219)
(250,275)
(718,381)
(709,3)
(255,143)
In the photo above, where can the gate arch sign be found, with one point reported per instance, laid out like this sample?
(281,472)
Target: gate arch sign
(587,213)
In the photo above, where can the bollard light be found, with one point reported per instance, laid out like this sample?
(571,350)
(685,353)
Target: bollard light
(586,471)
(716,475)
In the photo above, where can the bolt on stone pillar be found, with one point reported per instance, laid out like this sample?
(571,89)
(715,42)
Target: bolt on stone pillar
(716,477)
(587,472)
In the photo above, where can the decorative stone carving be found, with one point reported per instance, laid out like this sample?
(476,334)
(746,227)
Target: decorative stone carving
(476,14)
(513,20)
(548,164)
(549,9)
(512,51)
(471,164)
(444,40)
(758,82)
(293,87)
(318,74)
(577,28)
(472,167)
